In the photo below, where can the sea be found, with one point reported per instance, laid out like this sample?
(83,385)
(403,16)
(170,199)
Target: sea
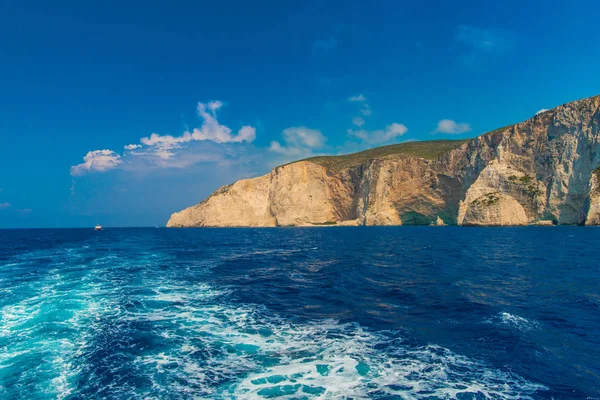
(300,313)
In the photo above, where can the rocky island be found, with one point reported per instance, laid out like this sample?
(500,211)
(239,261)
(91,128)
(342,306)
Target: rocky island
(541,171)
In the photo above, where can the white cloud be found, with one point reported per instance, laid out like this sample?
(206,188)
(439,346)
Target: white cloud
(184,157)
(391,132)
(362,100)
(168,150)
(276,147)
(211,129)
(450,127)
(543,110)
(213,105)
(299,141)
(358,121)
(302,136)
(97,160)
(163,146)
(165,140)
(394,130)
(378,136)
(357,98)
(4,205)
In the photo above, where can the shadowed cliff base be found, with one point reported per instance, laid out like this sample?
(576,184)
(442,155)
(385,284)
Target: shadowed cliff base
(540,171)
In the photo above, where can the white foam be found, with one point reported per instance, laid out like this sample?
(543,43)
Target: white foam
(210,347)
(39,328)
(514,321)
(250,354)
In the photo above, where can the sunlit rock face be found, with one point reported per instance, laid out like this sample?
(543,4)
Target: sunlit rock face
(538,171)
(591,214)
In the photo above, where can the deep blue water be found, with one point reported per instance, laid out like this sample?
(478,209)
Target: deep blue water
(387,313)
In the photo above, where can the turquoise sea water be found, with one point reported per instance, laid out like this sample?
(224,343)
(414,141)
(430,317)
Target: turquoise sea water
(385,313)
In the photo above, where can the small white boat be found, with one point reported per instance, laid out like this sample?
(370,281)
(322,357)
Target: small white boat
(98,228)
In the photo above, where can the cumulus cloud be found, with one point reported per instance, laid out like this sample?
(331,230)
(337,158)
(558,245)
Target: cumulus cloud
(212,130)
(302,136)
(97,161)
(299,141)
(4,205)
(450,127)
(161,150)
(394,130)
(390,132)
(163,146)
(543,110)
(276,147)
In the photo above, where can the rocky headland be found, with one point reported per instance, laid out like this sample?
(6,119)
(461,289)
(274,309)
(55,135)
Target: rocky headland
(541,171)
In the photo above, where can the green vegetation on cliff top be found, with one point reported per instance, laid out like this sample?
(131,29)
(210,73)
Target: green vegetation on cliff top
(429,150)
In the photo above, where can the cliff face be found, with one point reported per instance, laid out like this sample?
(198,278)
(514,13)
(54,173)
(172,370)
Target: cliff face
(537,171)
(591,214)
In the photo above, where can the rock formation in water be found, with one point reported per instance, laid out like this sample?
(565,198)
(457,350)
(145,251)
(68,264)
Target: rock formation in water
(540,171)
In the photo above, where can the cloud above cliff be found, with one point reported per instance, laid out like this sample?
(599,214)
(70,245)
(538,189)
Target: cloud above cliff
(299,142)
(450,127)
(4,205)
(391,132)
(166,151)
(372,137)
(164,146)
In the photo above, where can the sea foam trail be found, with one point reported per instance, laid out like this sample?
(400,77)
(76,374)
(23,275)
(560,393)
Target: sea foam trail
(45,324)
(225,350)
(120,328)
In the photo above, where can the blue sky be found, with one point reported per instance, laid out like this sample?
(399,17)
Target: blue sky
(229,89)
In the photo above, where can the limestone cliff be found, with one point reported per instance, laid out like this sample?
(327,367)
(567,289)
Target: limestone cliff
(538,171)
(592,207)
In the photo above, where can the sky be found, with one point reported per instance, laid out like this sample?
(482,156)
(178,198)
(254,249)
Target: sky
(122,112)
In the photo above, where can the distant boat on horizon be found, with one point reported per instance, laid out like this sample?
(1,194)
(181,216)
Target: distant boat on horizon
(98,227)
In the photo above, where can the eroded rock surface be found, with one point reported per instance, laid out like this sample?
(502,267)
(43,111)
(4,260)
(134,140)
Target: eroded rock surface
(537,171)
(592,210)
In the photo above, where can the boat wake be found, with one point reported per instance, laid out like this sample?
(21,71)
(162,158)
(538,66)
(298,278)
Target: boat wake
(104,331)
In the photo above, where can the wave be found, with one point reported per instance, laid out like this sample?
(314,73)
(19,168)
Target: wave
(513,321)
